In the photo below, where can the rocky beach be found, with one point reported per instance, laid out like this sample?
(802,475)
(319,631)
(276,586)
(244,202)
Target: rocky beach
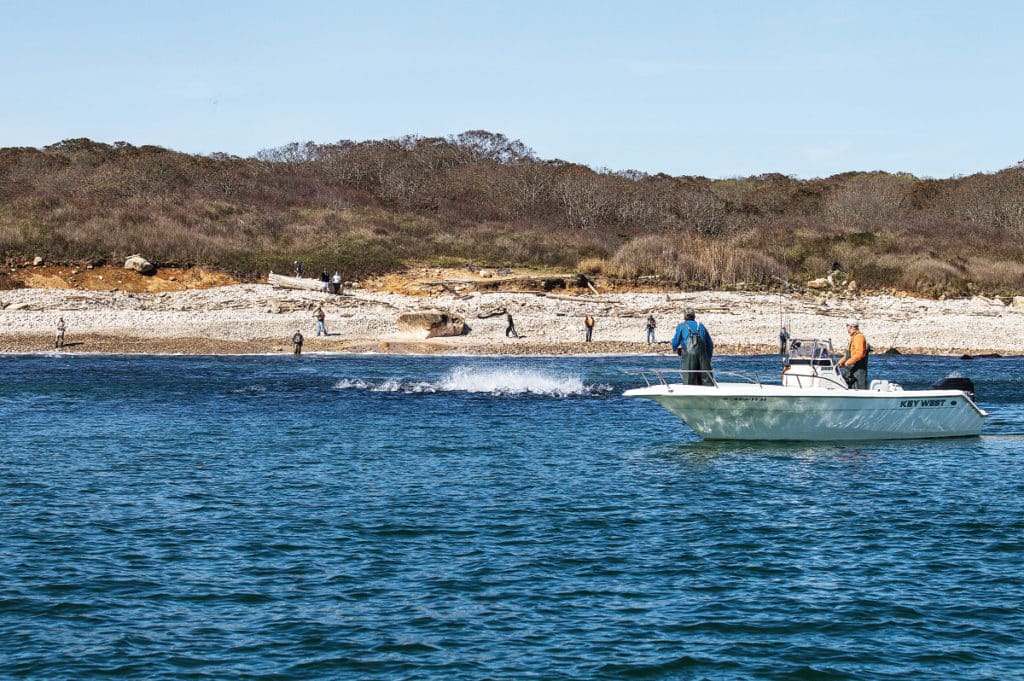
(260,318)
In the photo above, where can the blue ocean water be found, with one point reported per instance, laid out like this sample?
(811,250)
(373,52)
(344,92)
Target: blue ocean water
(487,518)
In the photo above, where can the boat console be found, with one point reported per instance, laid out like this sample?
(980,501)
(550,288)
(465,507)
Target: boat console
(812,364)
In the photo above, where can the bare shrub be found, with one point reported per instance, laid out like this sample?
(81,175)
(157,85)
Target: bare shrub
(705,262)
(865,200)
(591,266)
(699,210)
(647,256)
(728,264)
(1004,277)
(928,275)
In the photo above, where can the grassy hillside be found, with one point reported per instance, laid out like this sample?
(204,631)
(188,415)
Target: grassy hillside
(371,207)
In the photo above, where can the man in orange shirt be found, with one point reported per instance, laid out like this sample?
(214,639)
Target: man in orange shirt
(856,359)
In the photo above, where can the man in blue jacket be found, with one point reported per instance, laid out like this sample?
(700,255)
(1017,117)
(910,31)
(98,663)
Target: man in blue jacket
(693,343)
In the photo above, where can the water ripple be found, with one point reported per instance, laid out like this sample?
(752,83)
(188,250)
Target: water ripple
(169,518)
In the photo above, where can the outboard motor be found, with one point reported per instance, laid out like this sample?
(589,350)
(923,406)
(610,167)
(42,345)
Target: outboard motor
(956,383)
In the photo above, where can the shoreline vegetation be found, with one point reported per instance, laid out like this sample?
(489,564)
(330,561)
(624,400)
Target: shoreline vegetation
(476,223)
(373,207)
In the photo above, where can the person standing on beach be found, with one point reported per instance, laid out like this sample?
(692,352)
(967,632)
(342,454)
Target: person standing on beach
(325,280)
(58,341)
(856,359)
(693,343)
(298,269)
(588,325)
(336,286)
(297,342)
(321,328)
(783,341)
(510,330)
(651,324)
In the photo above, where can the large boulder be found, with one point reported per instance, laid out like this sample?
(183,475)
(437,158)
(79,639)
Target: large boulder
(139,264)
(431,324)
(1018,302)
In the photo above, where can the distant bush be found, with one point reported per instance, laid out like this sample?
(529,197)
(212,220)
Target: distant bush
(931,276)
(591,266)
(647,256)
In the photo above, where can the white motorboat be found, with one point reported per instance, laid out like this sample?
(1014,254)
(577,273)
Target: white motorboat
(812,402)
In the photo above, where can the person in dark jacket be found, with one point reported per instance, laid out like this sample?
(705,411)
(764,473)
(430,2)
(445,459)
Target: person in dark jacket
(297,342)
(693,343)
(510,330)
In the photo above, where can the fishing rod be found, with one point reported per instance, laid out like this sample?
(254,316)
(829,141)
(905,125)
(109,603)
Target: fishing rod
(784,331)
(896,335)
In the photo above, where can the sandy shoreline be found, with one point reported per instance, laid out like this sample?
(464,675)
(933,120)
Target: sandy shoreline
(259,319)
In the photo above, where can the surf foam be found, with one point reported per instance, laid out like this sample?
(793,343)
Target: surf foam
(492,381)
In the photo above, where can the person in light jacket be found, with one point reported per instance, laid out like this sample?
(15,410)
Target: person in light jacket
(856,359)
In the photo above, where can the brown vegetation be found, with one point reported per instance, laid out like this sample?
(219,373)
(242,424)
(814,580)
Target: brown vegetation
(373,207)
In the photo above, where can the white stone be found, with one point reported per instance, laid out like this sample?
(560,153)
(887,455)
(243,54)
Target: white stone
(139,264)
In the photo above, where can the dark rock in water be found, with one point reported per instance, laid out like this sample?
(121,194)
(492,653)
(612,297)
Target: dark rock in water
(892,351)
(990,355)
(955,383)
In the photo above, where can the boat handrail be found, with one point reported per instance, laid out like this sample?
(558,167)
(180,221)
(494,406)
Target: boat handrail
(816,377)
(660,379)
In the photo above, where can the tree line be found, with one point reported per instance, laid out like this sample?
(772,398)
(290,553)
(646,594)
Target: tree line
(481,198)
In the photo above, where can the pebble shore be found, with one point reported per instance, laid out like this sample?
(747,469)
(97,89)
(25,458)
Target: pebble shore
(258,318)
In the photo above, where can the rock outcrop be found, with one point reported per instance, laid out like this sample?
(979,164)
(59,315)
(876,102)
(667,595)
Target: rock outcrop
(431,324)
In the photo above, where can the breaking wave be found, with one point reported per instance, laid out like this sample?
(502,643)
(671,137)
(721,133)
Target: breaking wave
(491,381)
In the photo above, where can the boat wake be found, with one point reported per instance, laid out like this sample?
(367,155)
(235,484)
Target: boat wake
(490,381)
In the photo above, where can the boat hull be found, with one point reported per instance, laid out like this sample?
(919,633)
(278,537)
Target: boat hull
(780,413)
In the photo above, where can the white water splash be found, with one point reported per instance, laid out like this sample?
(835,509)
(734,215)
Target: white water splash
(492,381)
(506,381)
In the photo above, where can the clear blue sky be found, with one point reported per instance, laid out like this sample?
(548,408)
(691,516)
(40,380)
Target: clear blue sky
(726,89)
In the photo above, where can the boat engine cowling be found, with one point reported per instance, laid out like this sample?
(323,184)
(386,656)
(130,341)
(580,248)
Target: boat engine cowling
(956,383)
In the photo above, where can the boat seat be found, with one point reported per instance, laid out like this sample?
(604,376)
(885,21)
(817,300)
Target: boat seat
(883,386)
